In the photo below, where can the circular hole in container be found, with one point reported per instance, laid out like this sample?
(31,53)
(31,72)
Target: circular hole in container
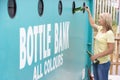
(84,7)
(60,7)
(12,8)
(40,7)
(73,7)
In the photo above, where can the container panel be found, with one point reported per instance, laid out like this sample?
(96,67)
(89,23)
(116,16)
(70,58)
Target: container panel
(50,46)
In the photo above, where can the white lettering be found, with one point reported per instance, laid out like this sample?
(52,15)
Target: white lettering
(37,72)
(48,40)
(29,40)
(61,41)
(56,38)
(66,35)
(40,49)
(52,64)
(22,48)
(36,44)
(30,47)
(35,33)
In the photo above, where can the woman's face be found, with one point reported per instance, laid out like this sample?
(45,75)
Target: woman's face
(101,21)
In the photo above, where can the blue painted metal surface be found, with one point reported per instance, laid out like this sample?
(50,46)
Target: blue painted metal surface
(47,47)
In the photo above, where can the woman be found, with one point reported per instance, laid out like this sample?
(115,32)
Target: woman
(103,45)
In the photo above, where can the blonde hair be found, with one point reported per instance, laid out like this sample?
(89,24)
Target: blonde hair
(107,20)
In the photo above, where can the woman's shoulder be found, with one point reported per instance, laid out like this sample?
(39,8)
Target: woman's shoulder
(110,33)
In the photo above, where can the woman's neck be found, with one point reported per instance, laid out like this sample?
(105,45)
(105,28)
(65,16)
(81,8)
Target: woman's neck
(104,30)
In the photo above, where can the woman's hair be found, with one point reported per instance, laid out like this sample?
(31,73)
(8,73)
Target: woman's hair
(107,20)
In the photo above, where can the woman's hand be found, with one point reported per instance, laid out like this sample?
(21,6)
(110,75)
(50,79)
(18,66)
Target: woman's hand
(93,58)
(87,9)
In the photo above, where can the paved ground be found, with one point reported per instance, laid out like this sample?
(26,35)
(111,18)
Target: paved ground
(114,77)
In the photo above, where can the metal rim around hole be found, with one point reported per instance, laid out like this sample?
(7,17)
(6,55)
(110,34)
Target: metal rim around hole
(60,7)
(12,7)
(73,7)
(40,7)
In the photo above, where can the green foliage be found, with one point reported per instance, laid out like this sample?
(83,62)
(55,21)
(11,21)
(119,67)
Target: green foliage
(114,23)
(114,26)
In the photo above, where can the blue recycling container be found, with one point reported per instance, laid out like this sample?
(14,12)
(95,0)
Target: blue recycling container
(44,40)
